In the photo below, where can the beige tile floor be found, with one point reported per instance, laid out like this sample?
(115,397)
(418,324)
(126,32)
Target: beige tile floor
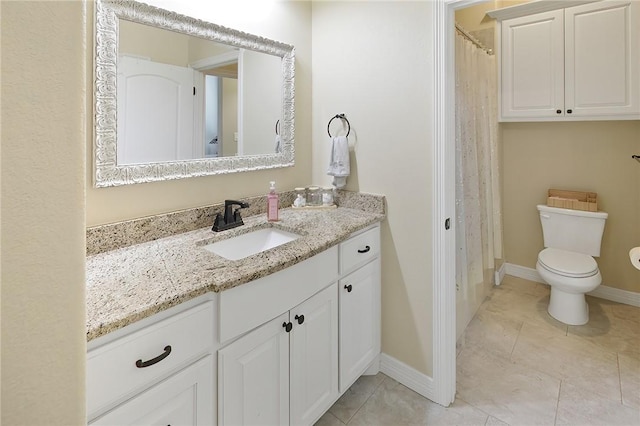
(518,366)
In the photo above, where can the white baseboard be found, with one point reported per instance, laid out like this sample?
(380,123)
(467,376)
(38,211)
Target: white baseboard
(603,292)
(408,376)
(617,295)
(523,272)
(500,273)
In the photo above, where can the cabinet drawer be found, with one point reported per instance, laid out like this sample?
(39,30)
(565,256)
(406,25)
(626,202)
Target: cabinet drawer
(183,399)
(359,249)
(113,370)
(247,306)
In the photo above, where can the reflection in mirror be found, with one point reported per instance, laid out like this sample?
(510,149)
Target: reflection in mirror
(190,98)
(182,97)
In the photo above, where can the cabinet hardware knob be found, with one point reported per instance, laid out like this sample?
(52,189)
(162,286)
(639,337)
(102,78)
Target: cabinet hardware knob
(142,364)
(558,111)
(569,111)
(287,326)
(366,249)
(299,318)
(348,287)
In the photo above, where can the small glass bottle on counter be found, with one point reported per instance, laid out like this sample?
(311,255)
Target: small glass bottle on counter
(327,196)
(314,196)
(301,197)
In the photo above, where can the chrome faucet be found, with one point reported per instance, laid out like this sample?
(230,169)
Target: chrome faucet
(231,218)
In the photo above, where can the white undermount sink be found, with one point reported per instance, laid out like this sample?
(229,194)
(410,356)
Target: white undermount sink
(251,243)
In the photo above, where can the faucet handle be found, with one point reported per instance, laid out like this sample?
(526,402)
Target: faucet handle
(237,218)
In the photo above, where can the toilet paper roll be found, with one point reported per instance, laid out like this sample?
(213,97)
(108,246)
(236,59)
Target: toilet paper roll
(634,255)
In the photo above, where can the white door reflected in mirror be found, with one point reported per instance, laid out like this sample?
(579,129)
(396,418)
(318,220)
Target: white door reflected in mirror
(187,99)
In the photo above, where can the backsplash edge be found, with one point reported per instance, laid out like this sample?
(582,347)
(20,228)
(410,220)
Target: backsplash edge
(103,238)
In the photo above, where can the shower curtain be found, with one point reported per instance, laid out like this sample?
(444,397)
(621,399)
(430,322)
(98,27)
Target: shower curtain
(478,207)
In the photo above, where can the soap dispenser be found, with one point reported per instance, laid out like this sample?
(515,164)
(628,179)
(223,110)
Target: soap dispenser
(272,203)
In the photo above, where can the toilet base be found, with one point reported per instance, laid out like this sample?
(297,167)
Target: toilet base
(569,308)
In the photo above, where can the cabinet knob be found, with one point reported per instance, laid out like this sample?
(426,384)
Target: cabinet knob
(143,364)
(348,287)
(558,111)
(569,111)
(287,326)
(366,249)
(299,318)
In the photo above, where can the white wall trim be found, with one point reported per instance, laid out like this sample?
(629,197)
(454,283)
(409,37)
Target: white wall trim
(523,272)
(500,273)
(617,295)
(443,389)
(443,190)
(603,292)
(408,376)
(216,61)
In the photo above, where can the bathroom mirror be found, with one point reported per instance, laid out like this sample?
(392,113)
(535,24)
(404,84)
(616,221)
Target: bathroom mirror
(178,97)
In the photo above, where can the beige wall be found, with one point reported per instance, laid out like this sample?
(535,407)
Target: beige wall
(473,18)
(43,143)
(371,61)
(168,47)
(585,156)
(106,205)
(159,45)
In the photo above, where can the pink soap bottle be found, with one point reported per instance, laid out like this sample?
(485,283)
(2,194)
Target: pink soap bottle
(272,203)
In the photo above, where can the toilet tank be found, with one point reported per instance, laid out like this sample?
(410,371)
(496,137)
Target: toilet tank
(573,230)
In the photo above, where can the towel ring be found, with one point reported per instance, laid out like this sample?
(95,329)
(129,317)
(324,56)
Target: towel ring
(341,117)
(277,125)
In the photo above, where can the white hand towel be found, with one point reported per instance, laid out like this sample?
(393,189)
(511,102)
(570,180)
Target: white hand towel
(339,166)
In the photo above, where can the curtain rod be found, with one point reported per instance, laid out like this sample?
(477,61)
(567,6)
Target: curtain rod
(472,39)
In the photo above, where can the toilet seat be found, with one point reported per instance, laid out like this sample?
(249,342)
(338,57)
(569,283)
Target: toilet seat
(568,263)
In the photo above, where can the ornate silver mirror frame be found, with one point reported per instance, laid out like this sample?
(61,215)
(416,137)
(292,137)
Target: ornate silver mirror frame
(106,170)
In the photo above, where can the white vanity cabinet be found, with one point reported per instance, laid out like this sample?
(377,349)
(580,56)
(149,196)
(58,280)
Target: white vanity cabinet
(359,289)
(577,63)
(278,350)
(163,371)
(291,369)
(286,371)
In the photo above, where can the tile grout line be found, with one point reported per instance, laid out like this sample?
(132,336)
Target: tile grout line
(365,401)
(619,377)
(481,410)
(555,419)
(513,348)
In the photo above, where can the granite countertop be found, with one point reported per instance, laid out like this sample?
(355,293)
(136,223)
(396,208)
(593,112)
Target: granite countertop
(131,283)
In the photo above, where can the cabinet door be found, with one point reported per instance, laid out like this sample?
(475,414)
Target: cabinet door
(602,71)
(532,70)
(314,356)
(253,377)
(186,398)
(359,322)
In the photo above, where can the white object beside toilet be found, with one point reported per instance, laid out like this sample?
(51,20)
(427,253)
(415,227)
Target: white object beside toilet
(634,256)
(571,239)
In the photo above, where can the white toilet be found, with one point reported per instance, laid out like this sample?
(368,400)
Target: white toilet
(571,238)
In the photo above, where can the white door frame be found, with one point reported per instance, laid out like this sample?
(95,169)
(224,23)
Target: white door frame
(444,252)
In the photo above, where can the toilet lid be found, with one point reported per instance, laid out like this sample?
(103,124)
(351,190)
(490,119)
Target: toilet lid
(568,263)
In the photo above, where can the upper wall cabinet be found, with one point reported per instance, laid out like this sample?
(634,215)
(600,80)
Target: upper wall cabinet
(578,63)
